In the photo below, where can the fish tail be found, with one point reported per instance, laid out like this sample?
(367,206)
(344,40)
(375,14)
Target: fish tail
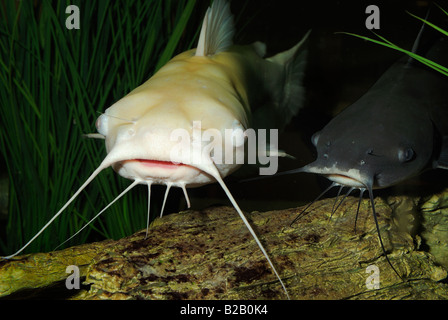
(283,80)
(291,97)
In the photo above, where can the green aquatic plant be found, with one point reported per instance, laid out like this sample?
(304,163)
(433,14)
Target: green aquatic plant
(384,42)
(54,83)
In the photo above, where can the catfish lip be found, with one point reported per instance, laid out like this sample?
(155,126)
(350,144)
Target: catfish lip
(345,180)
(161,172)
(159,163)
(346,177)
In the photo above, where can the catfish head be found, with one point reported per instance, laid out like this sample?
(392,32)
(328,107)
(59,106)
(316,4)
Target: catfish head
(374,150)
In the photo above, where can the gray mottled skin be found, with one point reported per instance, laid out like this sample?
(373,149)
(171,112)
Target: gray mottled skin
(393,132)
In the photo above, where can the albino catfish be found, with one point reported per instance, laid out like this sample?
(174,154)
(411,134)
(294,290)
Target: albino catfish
(213,87)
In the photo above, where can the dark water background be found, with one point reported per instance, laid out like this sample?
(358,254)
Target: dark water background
(340,69)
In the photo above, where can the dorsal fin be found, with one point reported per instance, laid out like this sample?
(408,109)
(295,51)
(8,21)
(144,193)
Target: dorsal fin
(416,47)
(217,29)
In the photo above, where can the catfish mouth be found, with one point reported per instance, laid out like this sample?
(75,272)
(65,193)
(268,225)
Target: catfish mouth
(353,178)
(345,180)
(162,172)
(159,164)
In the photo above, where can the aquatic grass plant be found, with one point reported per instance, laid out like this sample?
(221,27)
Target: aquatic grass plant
(54,83)
(384,42)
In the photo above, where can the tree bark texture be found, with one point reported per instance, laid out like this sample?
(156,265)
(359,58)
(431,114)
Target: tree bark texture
(210,254)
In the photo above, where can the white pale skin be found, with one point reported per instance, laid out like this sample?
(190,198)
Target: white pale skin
(214,86)
(189,88)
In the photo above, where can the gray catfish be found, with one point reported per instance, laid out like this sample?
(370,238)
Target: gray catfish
(395,131)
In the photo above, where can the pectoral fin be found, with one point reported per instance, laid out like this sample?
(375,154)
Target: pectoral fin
(274,152)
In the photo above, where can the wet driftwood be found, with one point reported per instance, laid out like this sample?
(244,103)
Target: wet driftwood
(43,270)
(210,254)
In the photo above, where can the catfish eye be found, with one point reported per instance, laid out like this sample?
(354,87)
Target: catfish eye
(315,138)
(238,135)
(405,154)
(101,124)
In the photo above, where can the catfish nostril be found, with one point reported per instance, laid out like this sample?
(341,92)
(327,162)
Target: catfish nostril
(101,124)
(315,138)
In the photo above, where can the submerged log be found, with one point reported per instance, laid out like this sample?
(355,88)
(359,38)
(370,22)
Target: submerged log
(210,254)
(31,272)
